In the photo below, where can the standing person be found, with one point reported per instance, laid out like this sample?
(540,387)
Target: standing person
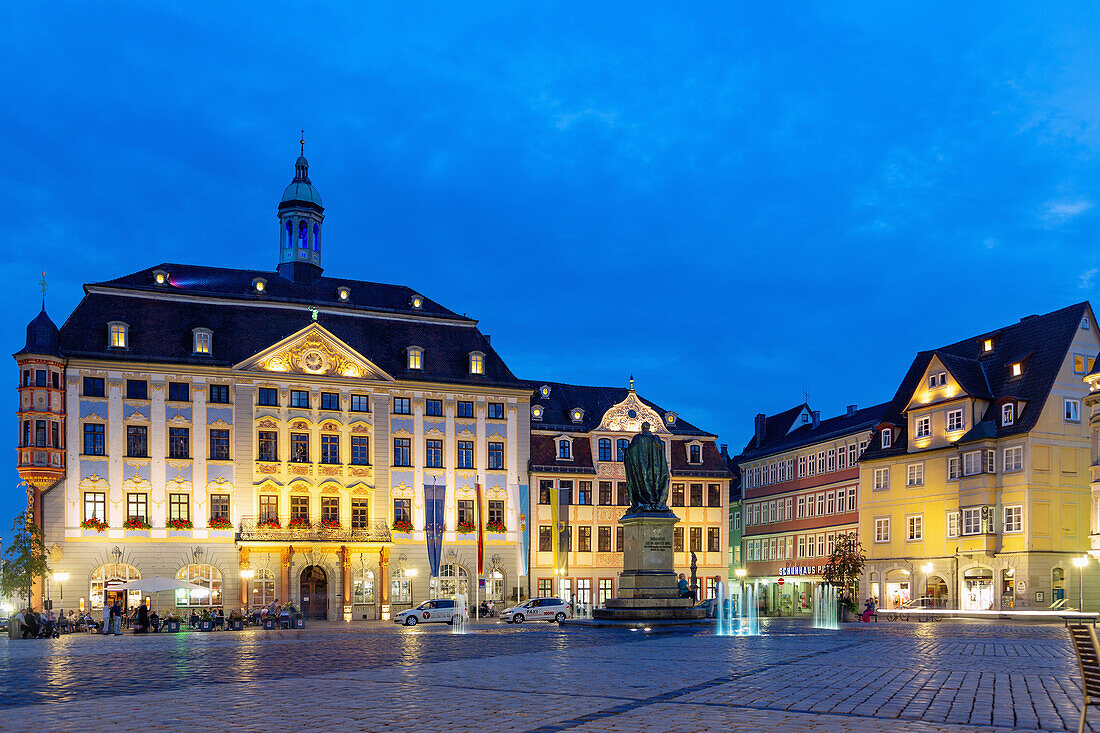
(106,627)
(141,621)
(116,619)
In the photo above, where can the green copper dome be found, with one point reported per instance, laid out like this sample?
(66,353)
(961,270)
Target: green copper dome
(300,189)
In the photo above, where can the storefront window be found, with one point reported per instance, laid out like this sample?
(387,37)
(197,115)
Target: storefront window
(453,581)
(363,587)
(494,586)
(209,577)
(263,587)
(400,587)
(897,589)
(107,576)
(936,591)
(1008,588)
(978,590)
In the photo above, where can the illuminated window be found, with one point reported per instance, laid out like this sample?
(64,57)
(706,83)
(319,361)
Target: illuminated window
(477,365)
(416,302)
(987,345)
(343,293)
(577,414)
(536,412)
(202,340)
(160,277)
(118,335)
(1017,369)
(1008,413)
(416,357)
(259,284)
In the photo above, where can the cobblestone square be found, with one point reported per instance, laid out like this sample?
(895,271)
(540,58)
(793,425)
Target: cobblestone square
(890,676)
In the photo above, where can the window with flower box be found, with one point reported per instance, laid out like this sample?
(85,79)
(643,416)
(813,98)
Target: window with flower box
(330,510)
(360,514)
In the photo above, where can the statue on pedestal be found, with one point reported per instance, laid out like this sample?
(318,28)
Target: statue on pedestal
(646,473)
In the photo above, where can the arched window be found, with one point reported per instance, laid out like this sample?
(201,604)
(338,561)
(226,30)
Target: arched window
(316,238)
(118,335)
(289,241)
(107,576)
(605,449)
(362,584)
(453,581)
(303,235)
(494,586)
(400,587)
(263,587)
(209,577)
(620,448)
(203,340)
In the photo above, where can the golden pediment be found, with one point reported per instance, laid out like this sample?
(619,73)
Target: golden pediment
(628,416)
(314,351)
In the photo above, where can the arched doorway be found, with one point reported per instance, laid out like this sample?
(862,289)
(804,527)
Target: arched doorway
(1057,585)
(314,593)
(898,589)
(977,590)
(936,591)
(105,580)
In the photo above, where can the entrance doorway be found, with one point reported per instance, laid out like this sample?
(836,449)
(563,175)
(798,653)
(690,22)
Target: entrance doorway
(978,590)
(1057,585)
(936,591)
(898,590)
(314,593)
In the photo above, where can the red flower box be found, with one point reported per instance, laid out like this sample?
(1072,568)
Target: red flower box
(179,524)
(135,523)
(330,523)
(465,528)
(93,523)
(299,523)
(495,527)
(402,525)
(269,523)
(219,523)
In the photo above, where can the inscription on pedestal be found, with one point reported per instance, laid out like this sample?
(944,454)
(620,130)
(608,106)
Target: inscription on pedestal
(657,544)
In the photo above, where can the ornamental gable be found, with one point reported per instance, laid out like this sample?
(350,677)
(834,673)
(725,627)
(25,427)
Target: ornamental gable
(314,351)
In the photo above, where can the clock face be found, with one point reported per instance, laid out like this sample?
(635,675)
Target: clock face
(313,361)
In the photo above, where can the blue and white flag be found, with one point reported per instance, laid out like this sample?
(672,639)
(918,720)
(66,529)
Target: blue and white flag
(524,535)
(434,524)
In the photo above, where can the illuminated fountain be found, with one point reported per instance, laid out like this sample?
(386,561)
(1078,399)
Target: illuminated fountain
(825,607)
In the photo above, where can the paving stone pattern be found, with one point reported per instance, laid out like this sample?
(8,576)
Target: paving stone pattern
(906,677)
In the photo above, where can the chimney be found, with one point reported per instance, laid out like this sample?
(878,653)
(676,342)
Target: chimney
(761,424)
(725,450)
(488,339)
(852,409)
(817,417)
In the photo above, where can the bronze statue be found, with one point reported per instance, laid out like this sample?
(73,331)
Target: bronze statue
(646,473)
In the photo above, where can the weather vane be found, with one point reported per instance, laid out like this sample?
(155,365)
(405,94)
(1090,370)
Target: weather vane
(44,287)
(302,141)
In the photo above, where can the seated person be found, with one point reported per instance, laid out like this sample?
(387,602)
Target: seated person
(31,625)
(685,589)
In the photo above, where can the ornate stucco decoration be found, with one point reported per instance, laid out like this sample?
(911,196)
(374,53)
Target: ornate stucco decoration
(628,416)
(316,352)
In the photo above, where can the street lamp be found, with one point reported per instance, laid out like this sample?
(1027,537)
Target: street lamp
(61,578)
(1080,563)
(411,574)
(247,574)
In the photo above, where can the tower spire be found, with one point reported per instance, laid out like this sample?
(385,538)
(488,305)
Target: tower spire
(302,141)
(44,287)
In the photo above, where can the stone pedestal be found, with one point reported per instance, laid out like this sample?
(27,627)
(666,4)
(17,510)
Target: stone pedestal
(647,585)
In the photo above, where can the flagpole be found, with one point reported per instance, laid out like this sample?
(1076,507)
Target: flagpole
(477,579)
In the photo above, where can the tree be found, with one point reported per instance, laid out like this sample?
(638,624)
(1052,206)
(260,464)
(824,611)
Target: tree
(845,565)
(24,560)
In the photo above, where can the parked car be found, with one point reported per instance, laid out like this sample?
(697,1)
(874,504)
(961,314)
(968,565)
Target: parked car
(436,611)
(537,609)
(3,624)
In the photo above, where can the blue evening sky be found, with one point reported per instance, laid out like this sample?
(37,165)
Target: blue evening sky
(734,201)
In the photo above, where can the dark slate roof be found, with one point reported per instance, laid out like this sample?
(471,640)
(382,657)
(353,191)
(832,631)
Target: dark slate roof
(806,434)
(1042,342)
(544,456)
(221,282)
(42,337)
(713,465)
(776,427)
(160,331)
(595,401)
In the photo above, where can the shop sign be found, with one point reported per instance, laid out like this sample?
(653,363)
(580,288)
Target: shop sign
(803,570)
(781,581)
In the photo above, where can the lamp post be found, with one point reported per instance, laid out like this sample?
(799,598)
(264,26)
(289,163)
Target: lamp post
(1080,563)
(61,578)
(247,574)
(411,573)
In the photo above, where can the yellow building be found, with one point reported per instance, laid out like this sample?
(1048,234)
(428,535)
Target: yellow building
(975,492)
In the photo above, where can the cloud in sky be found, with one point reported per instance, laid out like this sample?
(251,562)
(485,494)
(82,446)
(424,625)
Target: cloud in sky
(780,191)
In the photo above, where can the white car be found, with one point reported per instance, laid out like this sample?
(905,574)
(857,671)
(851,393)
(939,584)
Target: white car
(537,609)
(438,611)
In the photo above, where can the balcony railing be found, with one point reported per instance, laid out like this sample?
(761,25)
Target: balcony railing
(251,531)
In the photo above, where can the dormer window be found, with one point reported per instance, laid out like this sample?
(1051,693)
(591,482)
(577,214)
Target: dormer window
(887,437)
(670,418)
(536,412)
(1017,369)
(987,346)
(938,379)
(118,335)
(577,414)
(160,277)
(415,357)
(343,293)
(565,449)
(544,391)
(203,340)
(695,453)
(1008,413)
(477,362)
(416,301)
(259,284)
